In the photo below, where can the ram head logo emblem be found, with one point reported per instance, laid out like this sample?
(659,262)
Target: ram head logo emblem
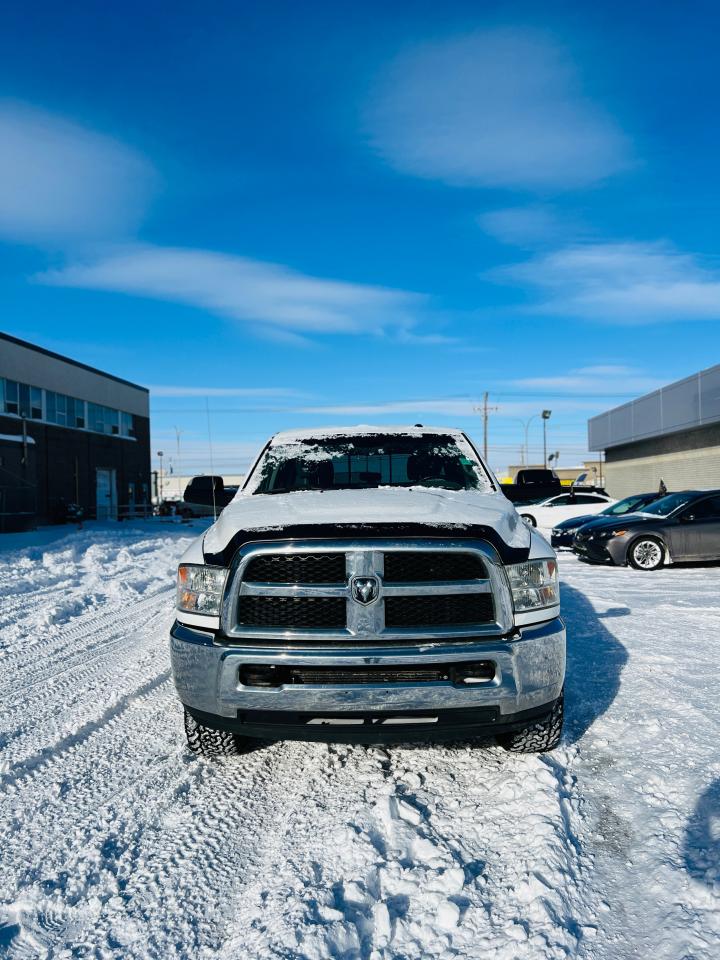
(365,589)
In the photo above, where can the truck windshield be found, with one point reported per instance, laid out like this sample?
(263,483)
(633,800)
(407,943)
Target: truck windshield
(366,461)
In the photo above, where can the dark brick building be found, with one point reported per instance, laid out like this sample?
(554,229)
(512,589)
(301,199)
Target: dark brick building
(69,434)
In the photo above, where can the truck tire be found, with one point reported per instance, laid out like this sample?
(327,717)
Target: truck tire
(529,519)
(646,553)
(211,743)
(540,736)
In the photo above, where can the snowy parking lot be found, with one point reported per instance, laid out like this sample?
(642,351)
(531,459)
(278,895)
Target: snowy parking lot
(118,843)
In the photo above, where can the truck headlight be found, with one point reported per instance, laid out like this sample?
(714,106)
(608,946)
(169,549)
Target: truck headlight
(200,588)
(534,584)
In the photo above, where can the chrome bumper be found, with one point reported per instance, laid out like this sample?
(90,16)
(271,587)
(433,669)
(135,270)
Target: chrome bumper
(530,670)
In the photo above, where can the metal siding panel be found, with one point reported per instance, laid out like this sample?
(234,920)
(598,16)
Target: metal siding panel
(621,424)
(686,403)
(680,404)
(710,394)
(647,415)
(599,432)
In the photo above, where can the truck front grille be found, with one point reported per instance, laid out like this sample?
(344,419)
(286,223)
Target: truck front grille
(430,566)
(438,611)
(375,592)
(297,568)
(301,613)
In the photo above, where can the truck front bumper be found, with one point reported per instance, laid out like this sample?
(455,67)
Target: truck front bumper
(525,678)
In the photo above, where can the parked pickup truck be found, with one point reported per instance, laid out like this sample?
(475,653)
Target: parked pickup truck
(367,585)
(205,496)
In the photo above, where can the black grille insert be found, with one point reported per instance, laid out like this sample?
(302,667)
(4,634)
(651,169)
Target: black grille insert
(271,675)
(297,568)
(300,613)
(428,566)
(438,611)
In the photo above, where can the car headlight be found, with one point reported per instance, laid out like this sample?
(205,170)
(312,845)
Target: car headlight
(534,584)
(200,588)
(608,534)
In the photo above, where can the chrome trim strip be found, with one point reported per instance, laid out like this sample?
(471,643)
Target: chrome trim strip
(250,588)
(367,621)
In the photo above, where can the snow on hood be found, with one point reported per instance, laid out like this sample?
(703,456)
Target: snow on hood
(434,507)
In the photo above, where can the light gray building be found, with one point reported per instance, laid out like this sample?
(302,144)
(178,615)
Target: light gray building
(672,433)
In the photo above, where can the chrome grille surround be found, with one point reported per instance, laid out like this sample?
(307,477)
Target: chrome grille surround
(366,622)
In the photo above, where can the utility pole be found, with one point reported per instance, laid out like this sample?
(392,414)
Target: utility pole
(485,410)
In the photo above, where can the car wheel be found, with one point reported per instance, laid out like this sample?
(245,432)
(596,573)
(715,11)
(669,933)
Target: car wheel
(646,553)
(540,736)
(529,519)
(211,743)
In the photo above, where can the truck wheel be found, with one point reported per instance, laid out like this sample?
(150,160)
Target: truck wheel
(528,519)
(539,736)
(646,553)
(207,742)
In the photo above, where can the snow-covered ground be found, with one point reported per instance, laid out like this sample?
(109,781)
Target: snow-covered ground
(117,843)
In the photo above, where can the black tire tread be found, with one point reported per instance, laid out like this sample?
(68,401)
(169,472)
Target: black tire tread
(538,737)
(207,742)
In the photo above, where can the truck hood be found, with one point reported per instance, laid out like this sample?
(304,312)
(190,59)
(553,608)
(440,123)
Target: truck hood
(429,507)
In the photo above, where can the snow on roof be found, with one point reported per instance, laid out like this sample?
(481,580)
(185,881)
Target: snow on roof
(17,437)
(362,429)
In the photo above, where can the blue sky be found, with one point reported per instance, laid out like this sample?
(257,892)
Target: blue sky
(323,213)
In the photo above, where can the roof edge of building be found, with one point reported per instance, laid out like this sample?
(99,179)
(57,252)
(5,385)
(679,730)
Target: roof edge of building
(75,363)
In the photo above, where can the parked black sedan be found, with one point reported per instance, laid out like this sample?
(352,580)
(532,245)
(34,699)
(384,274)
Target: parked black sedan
(563,533)
(679,526)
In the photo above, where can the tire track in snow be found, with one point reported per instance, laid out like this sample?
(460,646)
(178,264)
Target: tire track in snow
(54,753)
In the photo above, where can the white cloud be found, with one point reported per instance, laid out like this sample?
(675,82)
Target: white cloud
(620,283)
(502,108)
(60,182)
(272,298)
(598,380)
(525,225)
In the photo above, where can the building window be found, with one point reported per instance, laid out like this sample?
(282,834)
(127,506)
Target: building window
(103,419)
(126,425)
(36,408)
(22,400)
(12,400)
(65,411)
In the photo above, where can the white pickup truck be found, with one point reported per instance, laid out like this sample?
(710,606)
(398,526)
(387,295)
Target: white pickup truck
(367,585)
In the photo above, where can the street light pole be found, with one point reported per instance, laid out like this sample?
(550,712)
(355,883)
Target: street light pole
(526,428)
(179,469)
(160,495)
(545,417)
